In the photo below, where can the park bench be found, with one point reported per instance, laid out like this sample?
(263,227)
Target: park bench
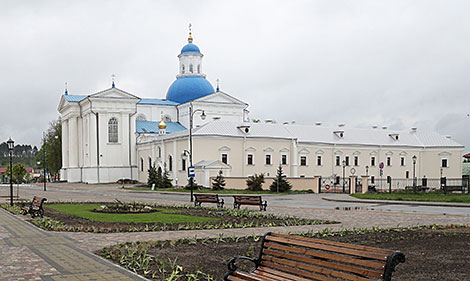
(452,188)
(208,198)
(35,207)
(239,200)
(289,257)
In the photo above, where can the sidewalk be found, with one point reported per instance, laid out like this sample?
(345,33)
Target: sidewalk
(28,253)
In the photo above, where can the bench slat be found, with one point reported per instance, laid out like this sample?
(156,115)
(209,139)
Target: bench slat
(316,269)
(282,274)
(333,243)
(381,257)
(247,276)
(299,272)
(269,276)
(332,265)
(325,255)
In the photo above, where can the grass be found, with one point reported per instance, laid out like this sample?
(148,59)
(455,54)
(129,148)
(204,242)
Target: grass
(162,216)
(423,197)
(224,191)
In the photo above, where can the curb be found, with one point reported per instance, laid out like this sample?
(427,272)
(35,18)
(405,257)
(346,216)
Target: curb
(396,202)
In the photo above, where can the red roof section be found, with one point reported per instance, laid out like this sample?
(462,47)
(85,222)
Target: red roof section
(467,155)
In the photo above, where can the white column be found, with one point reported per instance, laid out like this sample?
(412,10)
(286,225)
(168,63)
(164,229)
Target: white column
(65,144)
(175,163)
(295,156)
(73,142)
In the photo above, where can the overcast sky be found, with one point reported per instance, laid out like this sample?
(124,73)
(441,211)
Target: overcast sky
(399,64)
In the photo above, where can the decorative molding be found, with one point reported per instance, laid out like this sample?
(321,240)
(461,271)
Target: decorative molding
(269,149)
(224,148)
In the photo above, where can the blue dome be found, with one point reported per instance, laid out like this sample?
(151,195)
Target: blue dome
(190,48)
(186,89)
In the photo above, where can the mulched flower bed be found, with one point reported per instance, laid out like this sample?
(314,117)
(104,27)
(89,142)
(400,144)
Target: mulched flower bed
(432,253)
(223,218)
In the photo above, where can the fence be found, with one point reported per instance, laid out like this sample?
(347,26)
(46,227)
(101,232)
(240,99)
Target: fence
(420,185)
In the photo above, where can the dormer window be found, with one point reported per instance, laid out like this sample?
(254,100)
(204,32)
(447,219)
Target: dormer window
(245,129)
(395,137)
(339,134)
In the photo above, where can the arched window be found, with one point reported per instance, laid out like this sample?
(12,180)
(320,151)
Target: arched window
(198,68)
(113,130)
(182,68)
(190,68)
(170,163)
(141,164)
(159,152)
(150,163)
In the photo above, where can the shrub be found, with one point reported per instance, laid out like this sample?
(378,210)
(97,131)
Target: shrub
(255,182)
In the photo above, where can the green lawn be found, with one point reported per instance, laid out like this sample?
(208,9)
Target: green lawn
(225,191)
(163,216)
(409,196)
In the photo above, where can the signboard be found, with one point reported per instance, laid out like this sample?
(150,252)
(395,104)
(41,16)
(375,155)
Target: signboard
(42,172)
(353,171)
(191,172)
(327,187)
(381,165)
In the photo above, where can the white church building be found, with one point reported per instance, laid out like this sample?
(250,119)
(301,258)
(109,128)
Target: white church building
(113,134)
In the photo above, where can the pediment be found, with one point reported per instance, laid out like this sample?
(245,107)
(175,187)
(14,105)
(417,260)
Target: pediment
(114,93)
(220,97)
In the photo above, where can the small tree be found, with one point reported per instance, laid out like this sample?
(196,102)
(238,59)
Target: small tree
(166,181)
(280,184)
(255,182)
(155,177)
(219,182)
(19,173)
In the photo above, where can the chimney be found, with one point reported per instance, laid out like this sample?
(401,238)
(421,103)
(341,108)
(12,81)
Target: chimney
(375,127)
(384,127)
(414,129)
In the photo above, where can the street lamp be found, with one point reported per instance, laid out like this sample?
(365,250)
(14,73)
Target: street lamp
(11,145)
(344,170)
(414,172)
(45,167)
(191,116)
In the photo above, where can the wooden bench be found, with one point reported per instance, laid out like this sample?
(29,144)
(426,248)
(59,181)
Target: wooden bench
(289,257)
(35,207)
(452,188)
(208,198)
(239,200)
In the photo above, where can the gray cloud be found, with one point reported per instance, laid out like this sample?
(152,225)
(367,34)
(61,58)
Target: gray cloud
(398,64)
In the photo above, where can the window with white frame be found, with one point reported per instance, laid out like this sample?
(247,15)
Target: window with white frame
(338,160)
(444,163)
(372,161)
(303,160)
(402,161)
(182,68)
(150,162)
(268,159)
(346,160)
(191,68)
(356,160)
(389,161)
(319,160)
(141,164)
(170,163)
(284,159)
(249,159)
(198,68)
(225,158)
(113,130)
(183,164)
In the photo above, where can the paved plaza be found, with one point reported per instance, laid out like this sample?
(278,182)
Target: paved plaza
(28,253)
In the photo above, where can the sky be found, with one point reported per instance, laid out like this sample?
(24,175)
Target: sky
(399,64)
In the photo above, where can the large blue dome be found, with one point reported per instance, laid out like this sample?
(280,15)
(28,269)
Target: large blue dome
(190,48)
(186,89)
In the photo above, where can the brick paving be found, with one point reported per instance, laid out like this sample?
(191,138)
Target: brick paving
(28,253)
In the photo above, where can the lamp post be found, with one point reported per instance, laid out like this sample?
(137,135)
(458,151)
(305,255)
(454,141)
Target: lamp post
(344,171)
(44,159)
(414,172)
(191,116)
(11,145)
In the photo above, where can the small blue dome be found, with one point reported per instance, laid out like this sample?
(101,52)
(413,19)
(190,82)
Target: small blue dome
(186,89)
(190,48)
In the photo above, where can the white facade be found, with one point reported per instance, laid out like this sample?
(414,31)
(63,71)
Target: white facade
(113,135)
